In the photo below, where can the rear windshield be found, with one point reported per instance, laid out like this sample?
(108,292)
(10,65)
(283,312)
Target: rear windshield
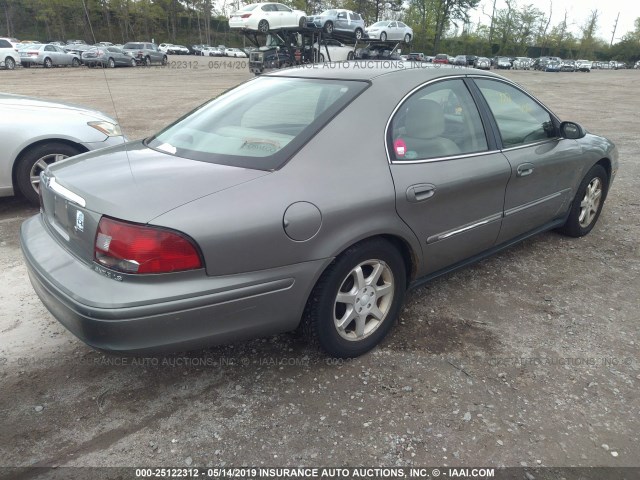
(259,124)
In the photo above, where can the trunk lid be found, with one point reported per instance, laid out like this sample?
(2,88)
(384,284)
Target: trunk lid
(129,182)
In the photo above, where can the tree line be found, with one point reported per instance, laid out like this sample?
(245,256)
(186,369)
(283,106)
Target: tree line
(440,26)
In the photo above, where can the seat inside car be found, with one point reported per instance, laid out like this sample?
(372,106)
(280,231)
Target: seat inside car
(424,128)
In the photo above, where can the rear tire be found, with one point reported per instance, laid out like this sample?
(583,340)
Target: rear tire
(111,63)
(358,33)
(357,299)
(147,61)
(407,38)
(133,62)
(328,27)
(48,63)
(34,161)
(303,22)
(263,26)
(75,62)
(383,37)
(587,204)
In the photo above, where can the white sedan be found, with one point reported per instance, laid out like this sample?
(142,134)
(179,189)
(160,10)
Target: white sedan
(235,52)
(390,30)
(35,133)
(267,16)
(338,52)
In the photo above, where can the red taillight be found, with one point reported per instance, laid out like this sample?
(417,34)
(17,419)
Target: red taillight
(133,248)
(245,15)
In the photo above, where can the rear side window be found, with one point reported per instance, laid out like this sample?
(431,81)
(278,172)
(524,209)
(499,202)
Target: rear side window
(5,44)
(521,120)
(439,120)
(259,124)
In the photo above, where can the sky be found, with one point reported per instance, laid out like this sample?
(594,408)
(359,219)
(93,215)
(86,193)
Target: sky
(577,13)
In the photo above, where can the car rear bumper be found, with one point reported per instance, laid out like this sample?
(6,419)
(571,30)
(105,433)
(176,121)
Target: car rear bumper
(219,310)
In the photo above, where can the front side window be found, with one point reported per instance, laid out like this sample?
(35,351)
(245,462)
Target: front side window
(259,124)
(521,120)
(282,8)
(439,120)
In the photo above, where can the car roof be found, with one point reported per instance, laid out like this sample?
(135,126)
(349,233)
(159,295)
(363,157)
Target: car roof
(371,69)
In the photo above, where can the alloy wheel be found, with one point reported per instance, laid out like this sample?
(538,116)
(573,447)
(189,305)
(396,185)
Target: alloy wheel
(41,164)
(590,203)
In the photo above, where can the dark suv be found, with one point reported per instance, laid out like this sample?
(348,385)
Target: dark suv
(145,53)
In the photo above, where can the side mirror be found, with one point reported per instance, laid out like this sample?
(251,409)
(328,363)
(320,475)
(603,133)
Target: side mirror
(572,130)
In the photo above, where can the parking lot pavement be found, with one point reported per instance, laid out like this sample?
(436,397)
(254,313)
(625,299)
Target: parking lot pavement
(529,357)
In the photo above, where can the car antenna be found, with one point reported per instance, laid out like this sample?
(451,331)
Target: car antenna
(106,81)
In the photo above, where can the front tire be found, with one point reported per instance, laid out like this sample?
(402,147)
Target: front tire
(358,34)
(303,22)
(147,61)
(34,161)
(383,37)
(133,62)
(48,63)
(111,63)
(407,38)
(75,63)
(357,299)
(587,204)
(9,63)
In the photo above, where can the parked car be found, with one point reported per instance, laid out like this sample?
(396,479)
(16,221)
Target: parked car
(617,65)
(13,41)
(377,51)
(584,65)
(9,55)
(460,60)
(35,133)
(181,50)
(390,30)
(110,57)
(145,53)
(267,16)
(235,52)
(338,52)
(416,57)
(483,63)
(522,63)
(48,56)
(568,66)
(77,48)
(104,44)
(503,63)
(553,65)
(637,65)
(167,48)
(340,21)
(322,252)
(441,58)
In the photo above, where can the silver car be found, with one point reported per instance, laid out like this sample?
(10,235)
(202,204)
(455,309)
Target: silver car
(390,30)
(340,21)
(35,133)
(145,53)
(109,57)
(234,222)
(48,56)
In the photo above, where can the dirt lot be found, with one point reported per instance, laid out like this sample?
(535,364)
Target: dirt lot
(528,358)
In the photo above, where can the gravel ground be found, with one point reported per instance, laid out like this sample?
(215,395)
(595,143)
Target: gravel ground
(527,358)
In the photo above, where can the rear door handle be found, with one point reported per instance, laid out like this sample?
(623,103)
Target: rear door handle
(524,169)
(420,192)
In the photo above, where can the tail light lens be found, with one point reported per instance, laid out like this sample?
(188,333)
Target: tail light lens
(132,248)
(245,15)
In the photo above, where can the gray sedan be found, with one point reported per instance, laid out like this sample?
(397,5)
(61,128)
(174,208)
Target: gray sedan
(234,222)
(48,56)
(110,57)
(340,21)
(35,133)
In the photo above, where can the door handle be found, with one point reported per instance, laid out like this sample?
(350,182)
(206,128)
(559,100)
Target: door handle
(524,169)
(420,192)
